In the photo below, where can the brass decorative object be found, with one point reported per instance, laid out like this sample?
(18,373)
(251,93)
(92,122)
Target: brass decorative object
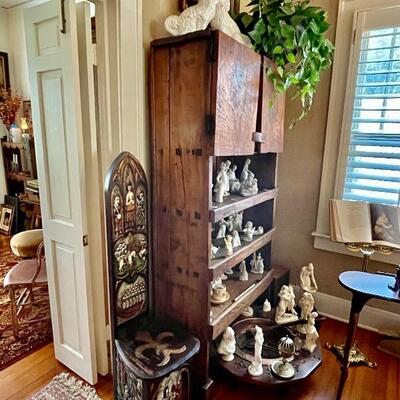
(356,356)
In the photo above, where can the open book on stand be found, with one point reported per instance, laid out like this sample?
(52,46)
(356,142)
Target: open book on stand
(362,222)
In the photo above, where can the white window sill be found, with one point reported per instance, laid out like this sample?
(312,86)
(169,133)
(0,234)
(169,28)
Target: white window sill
(323,242)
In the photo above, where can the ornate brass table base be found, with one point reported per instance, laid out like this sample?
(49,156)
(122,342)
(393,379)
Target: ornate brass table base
(356,358)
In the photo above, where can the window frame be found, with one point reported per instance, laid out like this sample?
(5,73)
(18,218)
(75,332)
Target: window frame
(345,64)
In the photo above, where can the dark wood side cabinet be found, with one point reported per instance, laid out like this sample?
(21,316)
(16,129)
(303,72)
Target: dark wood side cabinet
(209,102)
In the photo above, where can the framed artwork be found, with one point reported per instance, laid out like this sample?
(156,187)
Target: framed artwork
(6,218)
(4,71)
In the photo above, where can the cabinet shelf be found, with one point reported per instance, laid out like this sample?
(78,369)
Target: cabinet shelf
(12,145)
(221,265)
(243,294)
(236,203)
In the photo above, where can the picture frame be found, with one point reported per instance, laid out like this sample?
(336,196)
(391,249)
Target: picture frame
(6,218)
(4,71)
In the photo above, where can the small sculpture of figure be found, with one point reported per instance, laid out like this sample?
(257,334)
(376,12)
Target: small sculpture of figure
(249,231)
(229,272)
(311,333)
(118,223)
(244,276)
(266,306)
(228,245)
(234,183)
(238,221)
(257,265)
(247,312)
(140,210)
(192,19)
(229,222)
(250,186)
(383,229)
(292,301)
(227,346)
(130,206)
(221,187)
(222,225)
(285,304)
(214,251)
(236,239)
(307,279)
(245,171)
(306,304)
(256,367)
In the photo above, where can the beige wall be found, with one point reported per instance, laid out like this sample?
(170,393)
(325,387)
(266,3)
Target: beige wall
(299,178)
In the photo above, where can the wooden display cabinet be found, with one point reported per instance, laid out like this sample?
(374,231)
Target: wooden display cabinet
(207,105)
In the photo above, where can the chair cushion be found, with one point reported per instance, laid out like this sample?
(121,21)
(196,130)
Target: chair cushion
(24,244)
(24,272)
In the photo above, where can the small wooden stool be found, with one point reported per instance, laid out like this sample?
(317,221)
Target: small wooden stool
(25,244)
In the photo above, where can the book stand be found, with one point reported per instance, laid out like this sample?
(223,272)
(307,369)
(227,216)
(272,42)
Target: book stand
(368,250)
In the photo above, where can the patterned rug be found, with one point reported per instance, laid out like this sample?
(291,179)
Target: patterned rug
(66,387)
(32,336)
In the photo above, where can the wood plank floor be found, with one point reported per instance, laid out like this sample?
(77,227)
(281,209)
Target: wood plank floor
(34,371)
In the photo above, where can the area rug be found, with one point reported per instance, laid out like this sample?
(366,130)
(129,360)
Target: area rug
(66,387)
(32,336)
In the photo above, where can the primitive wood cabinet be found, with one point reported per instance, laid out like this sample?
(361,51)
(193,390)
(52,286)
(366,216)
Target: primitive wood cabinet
(208,104)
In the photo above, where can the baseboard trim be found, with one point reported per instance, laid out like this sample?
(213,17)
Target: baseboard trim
(371,318)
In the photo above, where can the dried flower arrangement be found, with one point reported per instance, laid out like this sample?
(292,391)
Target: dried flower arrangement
(10,104)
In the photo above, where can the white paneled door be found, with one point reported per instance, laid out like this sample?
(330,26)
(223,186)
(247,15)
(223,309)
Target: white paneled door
(52,47)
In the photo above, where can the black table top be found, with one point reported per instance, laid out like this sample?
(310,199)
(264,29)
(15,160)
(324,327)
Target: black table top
(371,285)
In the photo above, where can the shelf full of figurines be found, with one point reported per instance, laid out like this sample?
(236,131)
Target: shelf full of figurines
(298,349)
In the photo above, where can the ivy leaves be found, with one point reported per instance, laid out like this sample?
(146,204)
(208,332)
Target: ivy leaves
(291,34)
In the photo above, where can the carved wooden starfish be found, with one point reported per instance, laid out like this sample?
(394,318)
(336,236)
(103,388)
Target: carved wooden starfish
(159,347)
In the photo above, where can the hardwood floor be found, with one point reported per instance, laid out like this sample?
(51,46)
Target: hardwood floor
(34,371)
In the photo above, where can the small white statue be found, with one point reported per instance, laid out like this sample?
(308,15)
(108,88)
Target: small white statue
(248,312)
(223,21)
(311,333)
(214,251)
(222,225)
(236,239)
(307,279)
(245,171)
(229,222)
(221,187)
(194,18)
(257,266)
(249,231)
(256,367)
(234,183)
(238,221)
(228,245)
(244,276)
(224,277)
(306,303)
(229,272)
(250,186)
(227,346)
(267,306)
(285,311)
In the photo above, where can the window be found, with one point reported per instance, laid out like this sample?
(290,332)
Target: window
(362,146)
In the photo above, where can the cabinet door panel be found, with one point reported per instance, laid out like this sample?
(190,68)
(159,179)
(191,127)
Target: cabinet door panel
(270,119)
(235,90)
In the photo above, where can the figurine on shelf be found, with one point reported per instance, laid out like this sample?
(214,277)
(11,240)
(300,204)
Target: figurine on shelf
(228,245)
(214,251)
(250,186)
(306,304)
(307,279)
(245,171)
(257,264)
(234,183)
(256,367)
(248,312)
(244,276)
(236,239)
(221,187)
(229,272)
(292,300)
(249,231)
(238,221)
(229,222)
(267,306)
(285,311)
(311,334)
(192,19)
(222,225)
(227,346)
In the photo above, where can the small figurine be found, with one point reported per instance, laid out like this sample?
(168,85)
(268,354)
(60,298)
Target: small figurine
(224,277)
(256,367)
(214,251)
(229,224)
(221,187)
(266,306)
(238,221)
(236,239)
(306,304)
(118,223)
(228,245)
(227,346)
(244,276)
(222,225)
(245,171)
(396,285)
(130,205)
(249,231)
(285,311)
(307,279)
(229,272)
(248,312)
(234,183)
(257,265)
(311,334)
(250,186)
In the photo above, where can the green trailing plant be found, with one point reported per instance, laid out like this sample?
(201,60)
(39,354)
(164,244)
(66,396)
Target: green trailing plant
(292,34)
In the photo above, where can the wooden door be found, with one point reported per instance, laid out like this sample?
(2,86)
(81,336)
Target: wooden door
(52,49)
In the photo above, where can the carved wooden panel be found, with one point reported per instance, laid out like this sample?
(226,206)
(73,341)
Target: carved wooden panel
(128,238)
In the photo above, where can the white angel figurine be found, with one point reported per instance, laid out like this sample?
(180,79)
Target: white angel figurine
(227,346)
(256,367)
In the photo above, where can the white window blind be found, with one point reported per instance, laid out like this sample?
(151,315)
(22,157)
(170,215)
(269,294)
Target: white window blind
(372,170)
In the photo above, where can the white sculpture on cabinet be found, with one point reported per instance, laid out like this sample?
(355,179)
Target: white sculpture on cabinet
(227,346)
(249,231)
(311,334)
(267,306)
(221,187)
(306,303)
(257,265)
(285,311)
(236,239)
(244,276)
(307,279)
(228,245)
(256,367)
